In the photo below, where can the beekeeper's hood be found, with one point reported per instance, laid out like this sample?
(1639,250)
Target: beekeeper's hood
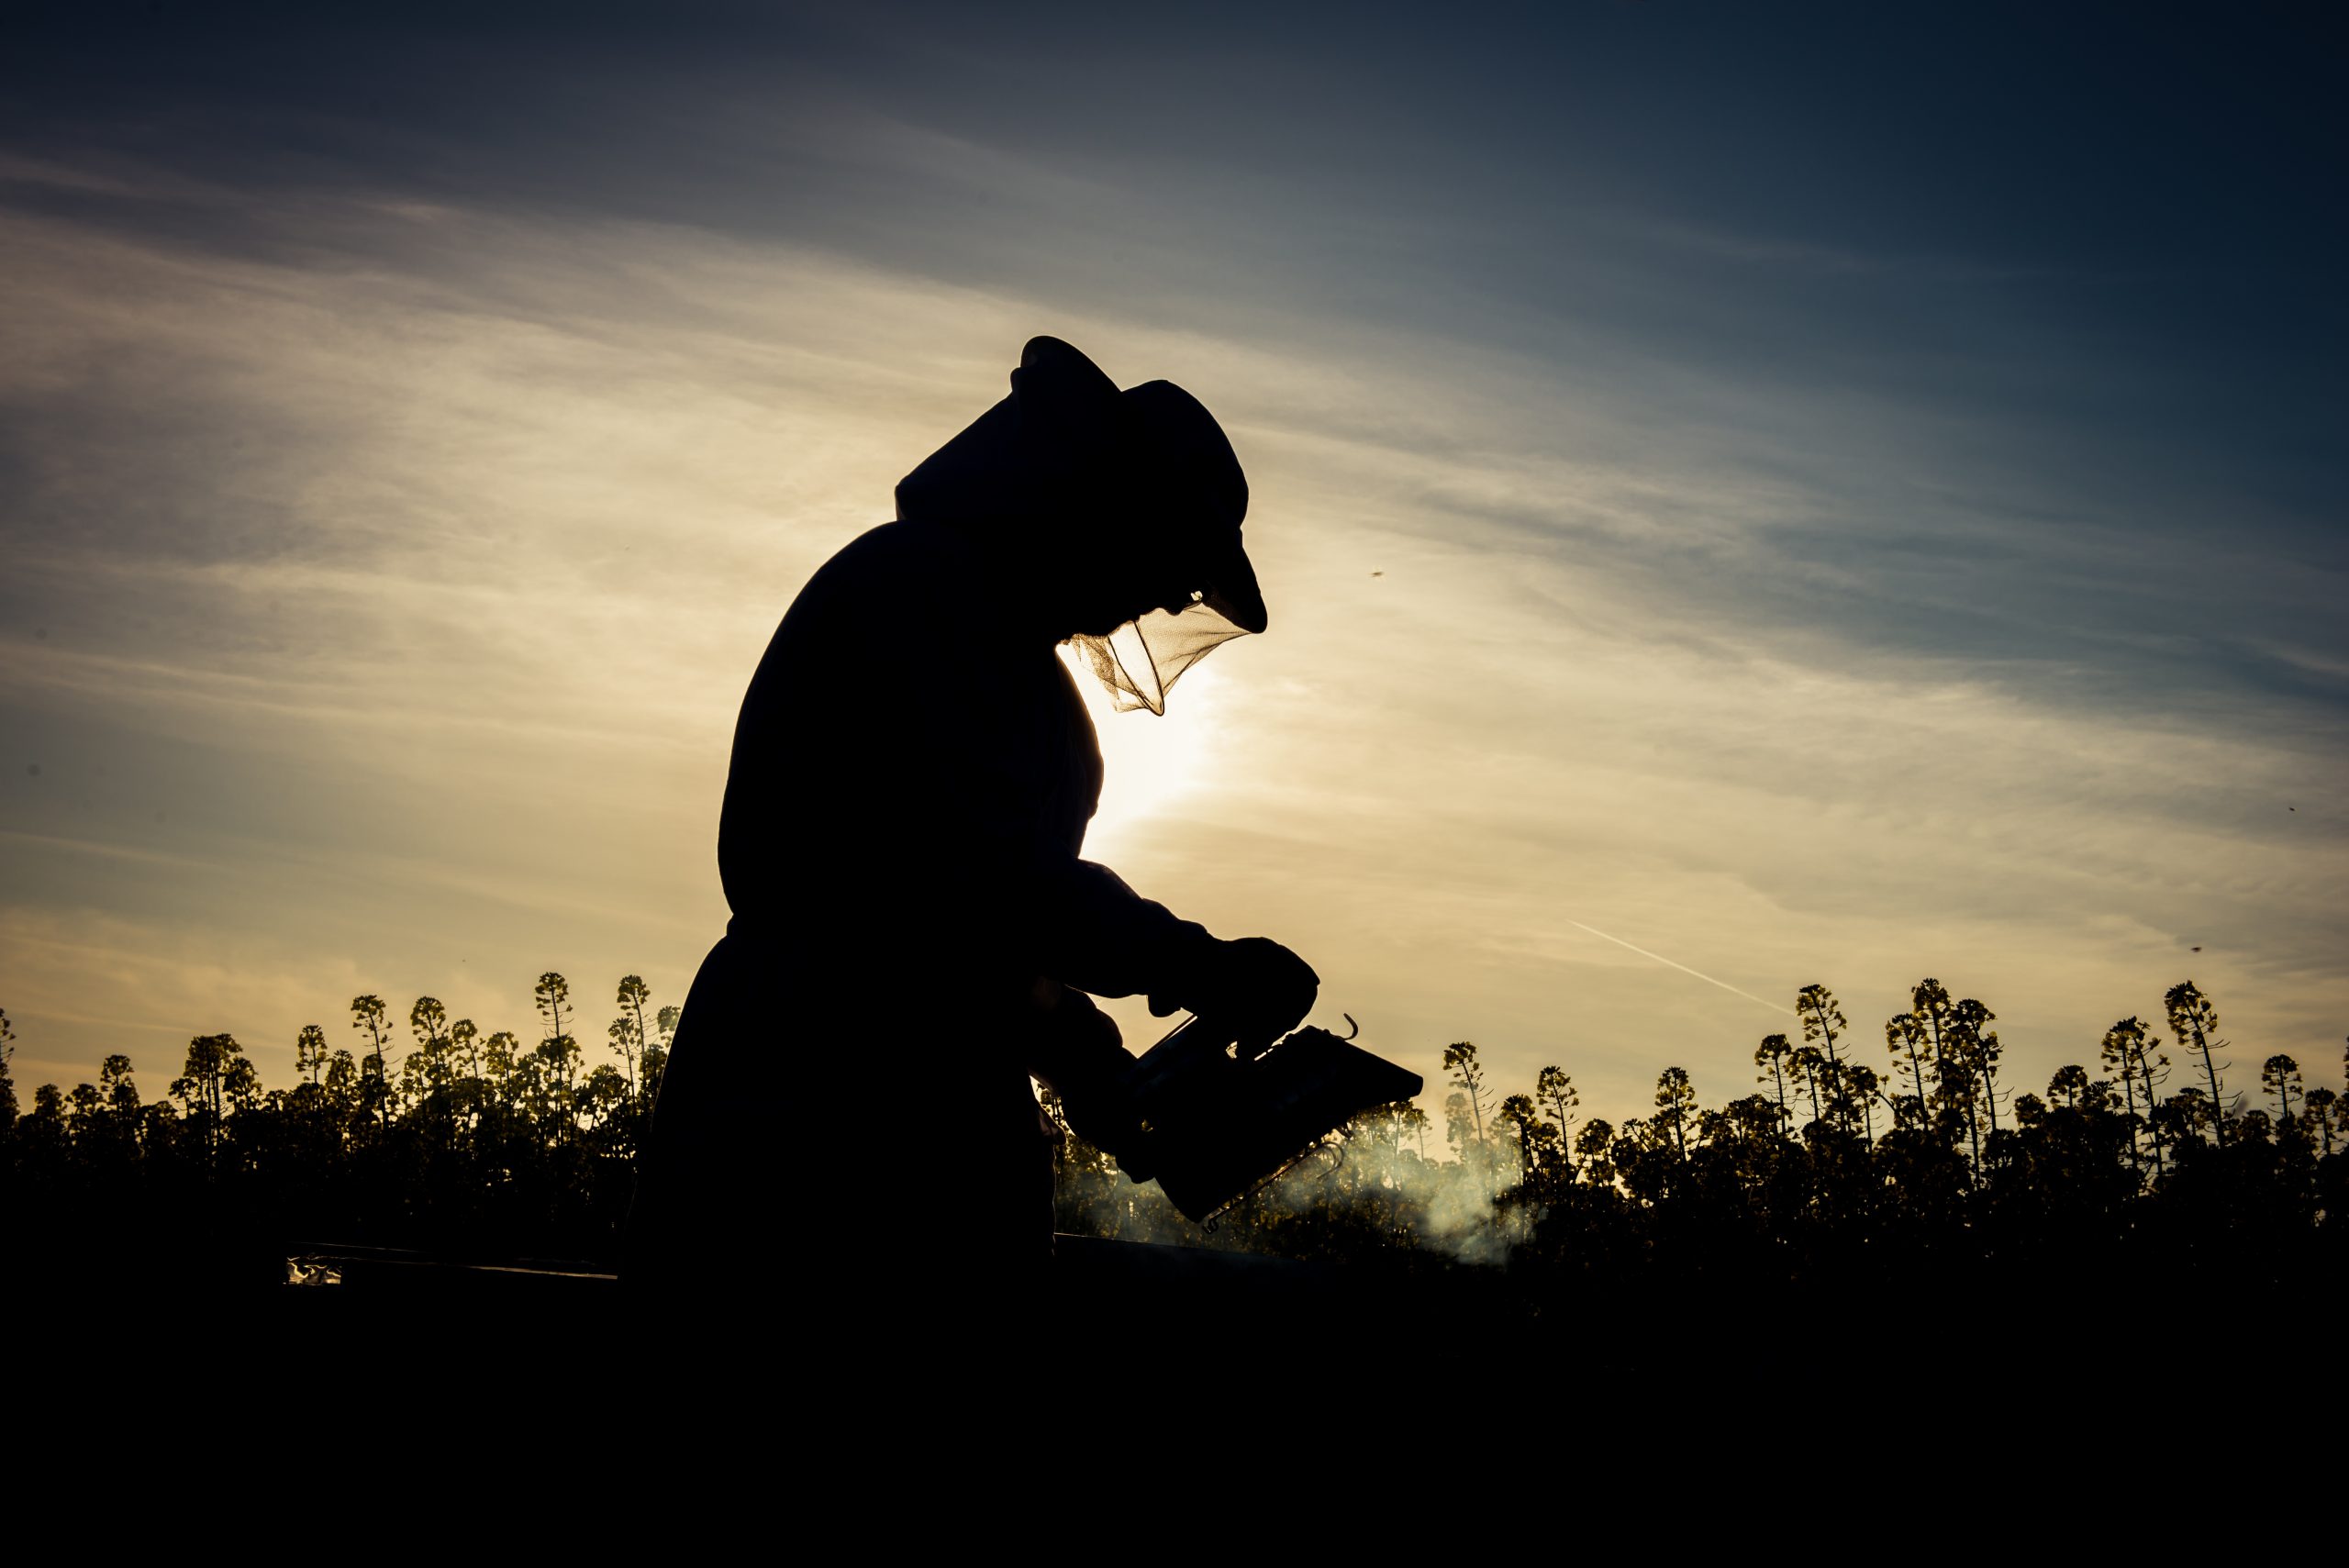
(1144,477)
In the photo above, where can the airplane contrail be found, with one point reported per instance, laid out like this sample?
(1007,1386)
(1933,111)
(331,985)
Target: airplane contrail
(1682,968)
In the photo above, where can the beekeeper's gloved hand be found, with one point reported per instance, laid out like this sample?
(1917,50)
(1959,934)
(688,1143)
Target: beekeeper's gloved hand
(1080,1053)
(1254,986)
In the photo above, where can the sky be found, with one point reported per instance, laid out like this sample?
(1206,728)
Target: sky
(1747,497)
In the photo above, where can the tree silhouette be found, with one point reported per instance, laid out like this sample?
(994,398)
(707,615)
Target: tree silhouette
(115,1085)
(628,1031)
(1822,1022)
(465,1054)
(1675,1105)
(1861,1088)
(2128,1051)
(1911,1037)
(2322,1108)
(1468,1077)
(310,1051)
(367,1017)
(1516,1121)
(1464,1111)
(1772,1054)
(7,1083)
(1967,1056)
(217,1072)
(44,1138)
(559,1049)
(2280,1076)
(1596,1144)
(2195,1024)
(1807,1065)
(1554,1091)
(502,1062)
(428,1021)
(343,1080)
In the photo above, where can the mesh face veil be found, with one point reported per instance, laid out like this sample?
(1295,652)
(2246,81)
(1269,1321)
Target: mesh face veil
(1141,661)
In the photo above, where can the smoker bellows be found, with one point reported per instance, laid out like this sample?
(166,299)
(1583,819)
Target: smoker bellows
(1216,1119)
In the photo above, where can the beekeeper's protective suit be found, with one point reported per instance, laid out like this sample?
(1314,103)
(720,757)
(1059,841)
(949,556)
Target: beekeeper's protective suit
(913,931)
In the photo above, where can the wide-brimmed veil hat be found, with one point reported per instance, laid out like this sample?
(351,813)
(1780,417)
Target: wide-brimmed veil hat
(1147,468)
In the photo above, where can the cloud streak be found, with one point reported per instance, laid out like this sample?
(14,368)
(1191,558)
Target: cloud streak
(1682,968)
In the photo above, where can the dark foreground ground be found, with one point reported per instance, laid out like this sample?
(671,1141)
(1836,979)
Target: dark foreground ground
(2001,1326)
(1146,1377)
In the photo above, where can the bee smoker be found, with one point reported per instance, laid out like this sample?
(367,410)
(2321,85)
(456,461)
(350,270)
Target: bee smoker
(1218,1116)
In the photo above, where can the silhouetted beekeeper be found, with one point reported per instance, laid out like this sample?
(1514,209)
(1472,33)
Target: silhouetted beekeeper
(914,931)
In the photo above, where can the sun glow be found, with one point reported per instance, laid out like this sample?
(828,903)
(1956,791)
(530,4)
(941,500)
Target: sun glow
(1150,762)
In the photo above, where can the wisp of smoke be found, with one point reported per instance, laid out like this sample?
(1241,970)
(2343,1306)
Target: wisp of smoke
(1368,1179)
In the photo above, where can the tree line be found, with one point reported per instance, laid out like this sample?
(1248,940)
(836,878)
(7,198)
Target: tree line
(446,1138)
(1925,1158)
(1922,1154)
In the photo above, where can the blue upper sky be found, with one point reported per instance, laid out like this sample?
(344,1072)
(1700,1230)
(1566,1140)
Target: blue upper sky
(2085,250)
